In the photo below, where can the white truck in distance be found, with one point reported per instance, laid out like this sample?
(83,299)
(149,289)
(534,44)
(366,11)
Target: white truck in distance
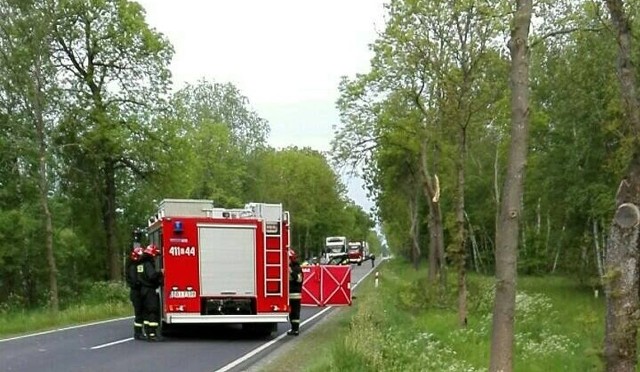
(335,246)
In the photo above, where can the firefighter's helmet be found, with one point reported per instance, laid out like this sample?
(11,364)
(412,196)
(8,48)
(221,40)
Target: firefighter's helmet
(136,253)
(151,250)
(292,255)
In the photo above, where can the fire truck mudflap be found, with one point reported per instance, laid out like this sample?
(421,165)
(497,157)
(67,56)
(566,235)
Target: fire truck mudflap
(222,265)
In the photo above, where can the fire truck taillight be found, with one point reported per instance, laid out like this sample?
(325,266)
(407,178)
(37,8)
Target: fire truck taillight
(178,308)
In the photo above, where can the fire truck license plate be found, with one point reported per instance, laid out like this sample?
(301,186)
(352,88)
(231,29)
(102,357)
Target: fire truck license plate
(182,251)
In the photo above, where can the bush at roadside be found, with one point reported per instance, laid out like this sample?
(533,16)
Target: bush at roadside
(405,325)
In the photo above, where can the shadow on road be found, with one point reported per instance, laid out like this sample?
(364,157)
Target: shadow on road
(209,332)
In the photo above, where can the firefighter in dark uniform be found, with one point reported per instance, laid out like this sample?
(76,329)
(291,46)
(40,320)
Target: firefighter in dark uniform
(295,293)
(150,279)
(135,294)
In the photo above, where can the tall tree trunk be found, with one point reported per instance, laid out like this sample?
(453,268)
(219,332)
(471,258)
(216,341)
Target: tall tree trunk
(555,260)
(547,237)
(496,185)
(502,337)
(109,219)
(43,183)
(621,288)
(622,246)
(598,253)
(558,243)
(433,252)
(303,251)
(477,259)
(414,231)
(460,252)
(431,190)
(584,257)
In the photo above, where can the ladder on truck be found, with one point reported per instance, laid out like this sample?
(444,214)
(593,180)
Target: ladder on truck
(273,243)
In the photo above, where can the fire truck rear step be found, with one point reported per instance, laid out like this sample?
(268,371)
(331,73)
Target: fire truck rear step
(184,318)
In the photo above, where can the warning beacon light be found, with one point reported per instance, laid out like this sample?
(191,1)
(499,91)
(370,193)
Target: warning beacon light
(177,226)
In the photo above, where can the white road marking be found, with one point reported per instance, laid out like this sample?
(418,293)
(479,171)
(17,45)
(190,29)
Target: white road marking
(111,343)
(257,350)
(265,346)
(63,329)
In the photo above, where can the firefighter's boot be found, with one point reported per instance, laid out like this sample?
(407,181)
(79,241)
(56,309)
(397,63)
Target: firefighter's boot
(295,328)
(145,330)
(137,331)
(152,332)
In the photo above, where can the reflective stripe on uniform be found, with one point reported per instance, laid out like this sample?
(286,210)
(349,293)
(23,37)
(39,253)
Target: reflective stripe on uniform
(153,324)
(295,296)
(146,322)
(295,320)
(137,324)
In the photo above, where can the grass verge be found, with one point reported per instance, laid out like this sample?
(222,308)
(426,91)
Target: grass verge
(101,301)
(316,346)
(405,326)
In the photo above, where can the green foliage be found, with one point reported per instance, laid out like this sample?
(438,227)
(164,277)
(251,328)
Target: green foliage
(375,242)
(344,359)
(423,84)
(312,192)
(434,92)
(215,103)
(114,70)
(558,327)
(388,335)
(96,293)
(575,160)
(120,143)
(419,295)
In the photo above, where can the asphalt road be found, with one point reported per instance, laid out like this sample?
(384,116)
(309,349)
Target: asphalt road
(108,346)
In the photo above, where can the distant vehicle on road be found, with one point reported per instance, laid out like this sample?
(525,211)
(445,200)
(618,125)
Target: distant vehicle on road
(334,246)
(356,252)
(340,259)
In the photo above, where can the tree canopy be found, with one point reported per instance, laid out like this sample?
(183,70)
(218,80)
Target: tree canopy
(93,137)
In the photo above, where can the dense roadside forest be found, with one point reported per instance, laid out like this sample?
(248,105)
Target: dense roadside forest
(93,135)
(492,135)
(501,137)
(433,116)
(430,124)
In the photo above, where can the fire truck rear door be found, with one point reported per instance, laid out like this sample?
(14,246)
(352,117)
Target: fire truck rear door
(227,259)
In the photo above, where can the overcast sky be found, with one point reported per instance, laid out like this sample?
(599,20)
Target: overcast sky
(285,56)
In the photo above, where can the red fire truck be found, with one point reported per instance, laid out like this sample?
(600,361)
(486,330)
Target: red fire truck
(222,265)
(356,252)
